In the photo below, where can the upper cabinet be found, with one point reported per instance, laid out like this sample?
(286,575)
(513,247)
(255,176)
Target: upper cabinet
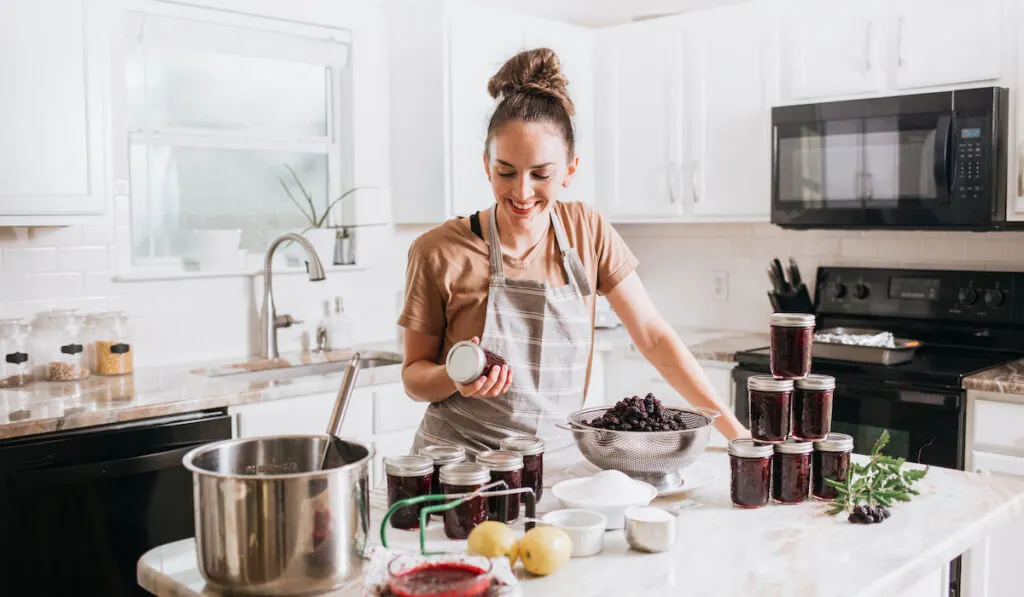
(53,110)
(442,54)
(849,48)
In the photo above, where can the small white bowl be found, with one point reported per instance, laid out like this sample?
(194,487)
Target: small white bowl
(613,511)
(584,527)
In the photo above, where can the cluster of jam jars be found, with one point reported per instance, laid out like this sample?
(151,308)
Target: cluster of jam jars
(444,469)
(790,426)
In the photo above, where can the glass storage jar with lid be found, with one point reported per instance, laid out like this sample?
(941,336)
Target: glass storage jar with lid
(15,364)
(831,461)
(750,467)
(408,477)
(791,472)
(67,356)
(508,467)
(40,343)
(792,335)
(111,344)
(464,477)
(532,449)
(770,408)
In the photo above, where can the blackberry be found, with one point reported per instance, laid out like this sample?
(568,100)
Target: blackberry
(854,518)
(626,427)
(861,511)
(885,512)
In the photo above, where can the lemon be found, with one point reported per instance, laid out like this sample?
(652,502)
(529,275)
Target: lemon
(492,539)
(544,550)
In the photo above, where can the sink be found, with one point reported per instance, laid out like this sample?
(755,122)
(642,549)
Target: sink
(368,360)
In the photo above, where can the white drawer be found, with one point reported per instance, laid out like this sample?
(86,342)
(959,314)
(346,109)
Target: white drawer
(393,410)
(999,424)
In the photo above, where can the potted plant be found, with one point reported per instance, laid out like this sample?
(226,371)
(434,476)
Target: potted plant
(322,236)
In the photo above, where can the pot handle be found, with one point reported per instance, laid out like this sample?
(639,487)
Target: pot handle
(567,427)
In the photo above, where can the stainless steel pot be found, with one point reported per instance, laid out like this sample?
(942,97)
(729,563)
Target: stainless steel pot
(269,522)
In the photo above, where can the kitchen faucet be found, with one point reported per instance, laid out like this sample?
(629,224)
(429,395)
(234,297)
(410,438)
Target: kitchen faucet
(270,321)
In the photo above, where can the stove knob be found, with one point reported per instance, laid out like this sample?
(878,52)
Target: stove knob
(967,296)
(861,291)
(837,290)
(994,298)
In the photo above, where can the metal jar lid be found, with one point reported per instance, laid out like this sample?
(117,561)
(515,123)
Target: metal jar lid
(792,320)
(408,466)
(748,448)
(767,383)
(835,442)
(465,362)
(442,454)
(816,382)
(792,446)
(465,474)
(500,460)
(526,445)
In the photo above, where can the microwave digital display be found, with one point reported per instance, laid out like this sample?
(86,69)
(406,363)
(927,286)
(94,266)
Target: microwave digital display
(974,133)
(914,288)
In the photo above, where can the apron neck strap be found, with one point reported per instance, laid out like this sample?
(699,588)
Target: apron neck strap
(494,245)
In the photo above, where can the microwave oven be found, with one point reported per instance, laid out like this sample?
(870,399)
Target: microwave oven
(912,162)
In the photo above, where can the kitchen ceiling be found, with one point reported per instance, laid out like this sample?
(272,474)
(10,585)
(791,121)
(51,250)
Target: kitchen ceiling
(604,13)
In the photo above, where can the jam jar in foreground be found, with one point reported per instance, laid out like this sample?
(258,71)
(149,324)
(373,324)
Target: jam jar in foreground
(467,361)
(791,472)
(812,406)
(791,337)
(408,477)
(770,401)
(532,449)
(751,466)
(442,455)
(831,461)
(508,467)
(464,477)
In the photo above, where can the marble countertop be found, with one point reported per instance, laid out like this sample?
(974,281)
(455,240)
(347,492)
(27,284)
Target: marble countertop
(1005,379)
(724,551)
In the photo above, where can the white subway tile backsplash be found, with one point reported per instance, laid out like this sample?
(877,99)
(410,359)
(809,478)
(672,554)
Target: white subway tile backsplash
(29,260)
(994,250)
(858,248)
(941,250)
(55,286)
(100,233)
(85,304)
(83,259)
(67,236)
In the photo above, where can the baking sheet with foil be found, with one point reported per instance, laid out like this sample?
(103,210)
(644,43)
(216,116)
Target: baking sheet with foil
(863,346)
(857,337)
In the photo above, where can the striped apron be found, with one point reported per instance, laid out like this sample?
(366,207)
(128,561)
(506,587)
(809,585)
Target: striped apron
(544,333)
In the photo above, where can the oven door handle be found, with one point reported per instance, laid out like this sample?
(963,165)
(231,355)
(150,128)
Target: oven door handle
(106,469)
(943,169)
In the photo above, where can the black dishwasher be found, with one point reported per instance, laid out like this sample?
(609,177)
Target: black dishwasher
(78,508)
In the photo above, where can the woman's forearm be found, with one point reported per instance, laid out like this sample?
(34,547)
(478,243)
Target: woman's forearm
(427,382)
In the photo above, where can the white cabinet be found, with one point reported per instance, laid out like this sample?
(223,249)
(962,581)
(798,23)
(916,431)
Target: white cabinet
(53,113)
(442,53)
(1015,169)
(991,568)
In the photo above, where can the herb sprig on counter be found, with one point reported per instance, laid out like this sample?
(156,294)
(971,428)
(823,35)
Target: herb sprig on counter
(871,489)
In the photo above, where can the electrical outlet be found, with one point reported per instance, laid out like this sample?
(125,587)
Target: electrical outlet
(720,285)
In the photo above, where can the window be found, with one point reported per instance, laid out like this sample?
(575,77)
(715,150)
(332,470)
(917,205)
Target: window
(222,108)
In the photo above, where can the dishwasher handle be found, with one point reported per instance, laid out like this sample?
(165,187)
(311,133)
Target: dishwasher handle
(107,469)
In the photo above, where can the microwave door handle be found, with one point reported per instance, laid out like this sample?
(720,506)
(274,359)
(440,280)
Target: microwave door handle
(943,159)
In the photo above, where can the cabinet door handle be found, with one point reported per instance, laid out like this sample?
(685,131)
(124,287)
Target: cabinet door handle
(693,181)
(899,41)
(670,171)
(1020,170)
(867,45)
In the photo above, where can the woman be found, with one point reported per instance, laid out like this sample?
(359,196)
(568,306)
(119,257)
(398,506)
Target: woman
(519,278)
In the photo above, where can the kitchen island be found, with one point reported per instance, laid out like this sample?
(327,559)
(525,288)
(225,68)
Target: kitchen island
(722,551)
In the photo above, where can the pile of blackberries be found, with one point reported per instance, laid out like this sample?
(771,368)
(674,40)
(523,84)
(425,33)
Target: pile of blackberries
(640,414)
(868,514)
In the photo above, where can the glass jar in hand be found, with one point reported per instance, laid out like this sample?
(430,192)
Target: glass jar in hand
(467,361)
(532,449)
(750,465)
(770,408)
(791,472)
(464,477)
(831,461)
(812,406)
(792,335)
(508,467)
(408,477)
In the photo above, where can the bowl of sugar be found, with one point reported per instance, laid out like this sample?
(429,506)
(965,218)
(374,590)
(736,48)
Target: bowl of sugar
(609,492)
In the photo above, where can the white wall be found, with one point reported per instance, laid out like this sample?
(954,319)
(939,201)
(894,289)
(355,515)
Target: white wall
(604,13)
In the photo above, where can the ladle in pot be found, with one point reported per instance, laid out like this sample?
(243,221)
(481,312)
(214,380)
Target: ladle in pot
(336,444)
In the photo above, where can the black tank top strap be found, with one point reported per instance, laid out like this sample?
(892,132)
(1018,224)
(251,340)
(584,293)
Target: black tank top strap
(474,225)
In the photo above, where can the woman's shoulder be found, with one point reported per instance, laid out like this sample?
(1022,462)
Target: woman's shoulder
(576,215)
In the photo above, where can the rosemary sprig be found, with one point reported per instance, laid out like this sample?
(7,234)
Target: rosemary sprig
(880,482)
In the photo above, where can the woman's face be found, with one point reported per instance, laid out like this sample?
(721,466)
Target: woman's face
(527,167)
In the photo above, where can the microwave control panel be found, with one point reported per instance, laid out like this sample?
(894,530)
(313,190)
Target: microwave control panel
(969,159)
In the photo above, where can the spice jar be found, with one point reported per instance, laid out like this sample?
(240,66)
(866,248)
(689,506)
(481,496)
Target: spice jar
(464,477)
(812,406)
(508,467)
(111,344)
(770,401)
(792,335)
(750,465)
(831,461)
(15,365)
(467,361)
(532,449)
(442,455)
(408,477)
(66,361)
(791,476)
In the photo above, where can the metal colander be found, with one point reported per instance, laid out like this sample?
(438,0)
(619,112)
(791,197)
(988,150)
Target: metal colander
(655,457)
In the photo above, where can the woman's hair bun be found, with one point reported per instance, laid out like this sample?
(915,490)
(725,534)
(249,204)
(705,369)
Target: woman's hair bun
(536,72)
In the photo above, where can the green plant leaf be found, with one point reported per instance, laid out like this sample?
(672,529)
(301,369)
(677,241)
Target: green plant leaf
(883,440)
(305,193)
(294,200)
(835,509)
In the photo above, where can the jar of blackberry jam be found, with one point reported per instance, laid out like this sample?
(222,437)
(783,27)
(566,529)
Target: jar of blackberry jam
(464,477)
(770,408)
(467,361)
(750,465)
(790,344)
(532,450)
(812,406)
(408,477)
(791,472)
(508,467)
(442,455)
(831,461)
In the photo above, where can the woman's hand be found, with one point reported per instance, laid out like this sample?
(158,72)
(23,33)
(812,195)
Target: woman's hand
(492,383)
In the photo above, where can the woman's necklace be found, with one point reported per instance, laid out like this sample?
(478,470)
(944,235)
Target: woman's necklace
(509,246)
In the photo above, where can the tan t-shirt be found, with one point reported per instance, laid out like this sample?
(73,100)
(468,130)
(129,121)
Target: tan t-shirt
(448,273)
